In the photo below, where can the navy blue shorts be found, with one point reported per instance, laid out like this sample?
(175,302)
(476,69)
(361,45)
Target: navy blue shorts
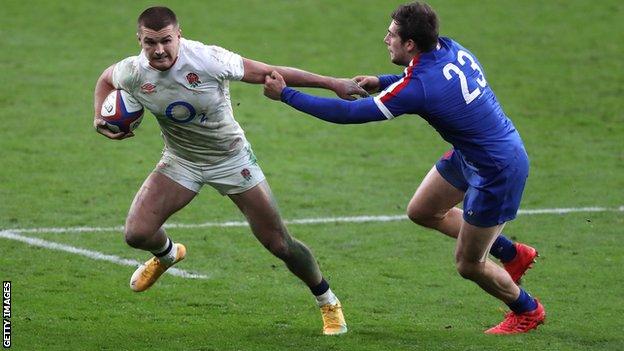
(492,196)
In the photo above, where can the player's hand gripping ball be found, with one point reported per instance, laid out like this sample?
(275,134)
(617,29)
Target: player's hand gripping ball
(121,111)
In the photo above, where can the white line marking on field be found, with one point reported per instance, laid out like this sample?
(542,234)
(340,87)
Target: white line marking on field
(321,220)
(91,254)
(14,234)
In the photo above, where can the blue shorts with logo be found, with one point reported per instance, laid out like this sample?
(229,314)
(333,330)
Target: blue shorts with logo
(492,196)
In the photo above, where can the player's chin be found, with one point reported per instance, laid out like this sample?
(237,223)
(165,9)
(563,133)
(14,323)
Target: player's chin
(162,63)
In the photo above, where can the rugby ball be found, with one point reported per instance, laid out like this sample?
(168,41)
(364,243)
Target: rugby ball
(121,111)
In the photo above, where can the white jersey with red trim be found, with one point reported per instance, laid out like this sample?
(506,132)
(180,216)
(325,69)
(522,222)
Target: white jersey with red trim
(191,100)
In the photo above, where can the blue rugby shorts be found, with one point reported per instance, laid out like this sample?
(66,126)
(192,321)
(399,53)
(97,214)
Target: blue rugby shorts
(492,196)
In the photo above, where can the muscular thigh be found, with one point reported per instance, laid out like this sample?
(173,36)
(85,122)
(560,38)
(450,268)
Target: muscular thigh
(435,195)
(157,199)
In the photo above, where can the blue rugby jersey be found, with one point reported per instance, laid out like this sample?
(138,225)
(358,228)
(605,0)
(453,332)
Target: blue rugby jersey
(448,89)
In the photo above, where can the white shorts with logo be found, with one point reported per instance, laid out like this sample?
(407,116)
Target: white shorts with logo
(234,175)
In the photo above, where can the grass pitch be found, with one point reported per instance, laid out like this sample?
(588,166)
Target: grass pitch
(556,68)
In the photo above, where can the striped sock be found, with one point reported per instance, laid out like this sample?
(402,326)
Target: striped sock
(323,294)
(167,253)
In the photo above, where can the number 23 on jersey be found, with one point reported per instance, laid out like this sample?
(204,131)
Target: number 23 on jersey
(451,68)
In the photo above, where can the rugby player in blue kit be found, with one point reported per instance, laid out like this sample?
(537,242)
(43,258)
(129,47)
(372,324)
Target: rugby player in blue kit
(486,169)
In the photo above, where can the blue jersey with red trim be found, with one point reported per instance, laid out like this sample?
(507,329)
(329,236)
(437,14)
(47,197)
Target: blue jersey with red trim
(446,87)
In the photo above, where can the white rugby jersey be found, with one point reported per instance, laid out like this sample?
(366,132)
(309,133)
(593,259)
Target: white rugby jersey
(191,100)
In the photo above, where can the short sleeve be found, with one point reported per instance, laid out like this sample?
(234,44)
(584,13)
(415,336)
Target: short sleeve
(225,64)
(124,73)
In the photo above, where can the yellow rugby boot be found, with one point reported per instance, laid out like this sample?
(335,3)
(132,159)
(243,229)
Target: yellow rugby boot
(333,319)
(149,272)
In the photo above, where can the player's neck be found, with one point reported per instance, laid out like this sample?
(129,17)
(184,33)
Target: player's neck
(411,58)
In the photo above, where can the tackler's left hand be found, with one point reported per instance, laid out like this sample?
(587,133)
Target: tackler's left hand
(348,89)
(273,86)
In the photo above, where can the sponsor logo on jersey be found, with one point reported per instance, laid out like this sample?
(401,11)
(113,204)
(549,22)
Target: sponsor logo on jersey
(246,174)
(193,79)
(148,88)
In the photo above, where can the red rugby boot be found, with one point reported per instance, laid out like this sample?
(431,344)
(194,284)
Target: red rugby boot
(515,323)
(525,257)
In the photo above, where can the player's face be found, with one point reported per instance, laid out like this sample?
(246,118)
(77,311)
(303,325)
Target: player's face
(399,50)
(160,46)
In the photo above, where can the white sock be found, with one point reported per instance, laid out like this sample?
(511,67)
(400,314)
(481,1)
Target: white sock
(327,298)
(170,256)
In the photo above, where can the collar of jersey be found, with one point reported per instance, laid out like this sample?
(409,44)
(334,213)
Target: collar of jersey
(434,55)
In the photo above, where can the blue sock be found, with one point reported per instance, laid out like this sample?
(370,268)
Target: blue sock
(524,303)
(503,249)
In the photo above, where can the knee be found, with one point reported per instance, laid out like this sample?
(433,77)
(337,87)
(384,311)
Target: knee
(423,216)
(469,270)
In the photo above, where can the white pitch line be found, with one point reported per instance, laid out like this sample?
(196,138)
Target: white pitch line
(91,254)
(321,220)
(14,234)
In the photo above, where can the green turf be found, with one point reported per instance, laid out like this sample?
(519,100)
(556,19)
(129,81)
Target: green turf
(555,66)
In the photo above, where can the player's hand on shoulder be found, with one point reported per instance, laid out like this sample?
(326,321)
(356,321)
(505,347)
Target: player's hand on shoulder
(100,126)
(369,83)
(273,85)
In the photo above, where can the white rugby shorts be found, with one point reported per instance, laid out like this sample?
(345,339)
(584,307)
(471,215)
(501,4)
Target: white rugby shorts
(233,175)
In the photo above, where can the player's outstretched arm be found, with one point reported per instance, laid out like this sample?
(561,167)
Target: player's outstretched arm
(328,109)
(103,87)
(347,89)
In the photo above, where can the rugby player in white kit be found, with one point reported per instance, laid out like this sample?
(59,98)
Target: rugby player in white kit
(185,84)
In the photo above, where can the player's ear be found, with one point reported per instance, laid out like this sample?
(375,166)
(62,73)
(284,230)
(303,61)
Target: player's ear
(410,45)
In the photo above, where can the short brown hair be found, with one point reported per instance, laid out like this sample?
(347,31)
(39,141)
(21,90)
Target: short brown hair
(157,18)
(417,21)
